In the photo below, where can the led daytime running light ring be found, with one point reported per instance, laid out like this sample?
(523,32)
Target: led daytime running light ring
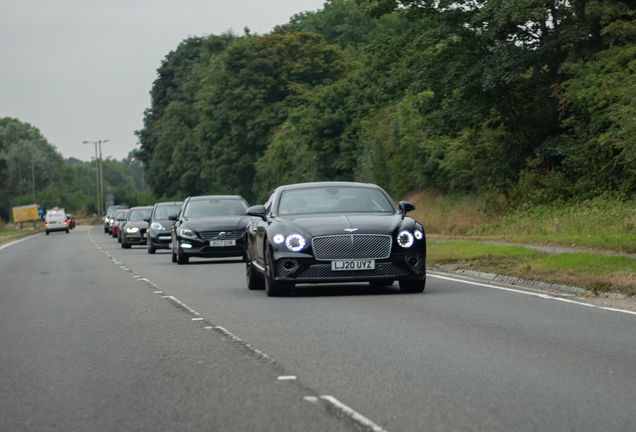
(405,239)
(295,242)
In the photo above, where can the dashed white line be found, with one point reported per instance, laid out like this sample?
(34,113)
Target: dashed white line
(350,412)
(287,378)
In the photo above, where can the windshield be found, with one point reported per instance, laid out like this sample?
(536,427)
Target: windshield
(140,214)
(215,207)
(162,212)
(334,199)
(121,215)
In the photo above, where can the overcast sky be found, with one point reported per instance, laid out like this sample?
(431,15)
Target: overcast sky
(81,70)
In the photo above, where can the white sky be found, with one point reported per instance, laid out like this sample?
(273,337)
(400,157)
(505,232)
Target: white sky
(81,70)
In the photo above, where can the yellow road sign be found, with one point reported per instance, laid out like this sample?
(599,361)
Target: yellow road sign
(25,213)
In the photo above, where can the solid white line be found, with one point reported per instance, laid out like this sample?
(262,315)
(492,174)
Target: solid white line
(17,241)
(533,294)
(353,414)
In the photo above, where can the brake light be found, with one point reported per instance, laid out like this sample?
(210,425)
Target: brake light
(65,222)
(46,224)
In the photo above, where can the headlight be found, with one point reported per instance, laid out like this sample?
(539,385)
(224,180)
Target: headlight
(157,226)
(405,239)
(183,232)
(295,242)
(132,230)
(418,234)
(279,238)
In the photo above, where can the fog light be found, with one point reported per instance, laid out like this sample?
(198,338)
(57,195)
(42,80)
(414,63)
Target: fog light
(186,245)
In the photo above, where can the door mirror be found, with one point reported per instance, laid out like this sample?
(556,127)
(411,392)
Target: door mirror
(406,207)
(257,211)
(172,217)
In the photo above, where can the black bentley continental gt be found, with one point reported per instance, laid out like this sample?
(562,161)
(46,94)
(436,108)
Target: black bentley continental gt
(209,227)
(333,232)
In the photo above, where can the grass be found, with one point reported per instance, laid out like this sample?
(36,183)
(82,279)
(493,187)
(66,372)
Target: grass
(458,226)
(599,224)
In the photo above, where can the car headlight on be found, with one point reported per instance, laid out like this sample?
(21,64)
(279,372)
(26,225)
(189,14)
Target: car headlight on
(132,230)
(157,226)
(418,234)
(279,238)
(295,242)
(184,232)
(405,239)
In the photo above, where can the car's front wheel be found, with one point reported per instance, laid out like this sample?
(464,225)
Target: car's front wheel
(416,286)
(275,288)
(151,249)
(181,257)
(254,281)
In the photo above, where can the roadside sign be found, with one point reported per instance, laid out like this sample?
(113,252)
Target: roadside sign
(40,211)
(25,213)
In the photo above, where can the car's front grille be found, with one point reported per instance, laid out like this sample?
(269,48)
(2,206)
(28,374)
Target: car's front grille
(381,270)
(221,235)
(352,246)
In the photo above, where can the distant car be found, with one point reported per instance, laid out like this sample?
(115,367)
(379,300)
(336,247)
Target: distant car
(159,225)
(71,221)
(120,217)
(332,232)
(55,220)
(209,227)
(107,217)
(134,231)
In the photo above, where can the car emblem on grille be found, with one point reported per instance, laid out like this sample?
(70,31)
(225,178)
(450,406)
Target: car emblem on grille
(222,234)
(351,229)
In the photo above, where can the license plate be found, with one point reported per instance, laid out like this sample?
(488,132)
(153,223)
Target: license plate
(341,265)
(222,243)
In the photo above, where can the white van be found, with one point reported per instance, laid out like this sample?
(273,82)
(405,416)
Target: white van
(55,220)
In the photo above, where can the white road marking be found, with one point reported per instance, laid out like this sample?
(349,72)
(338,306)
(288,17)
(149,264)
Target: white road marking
(312,399)
(197,319)
(17,241)
(530,293)
(349,412)
(286,378)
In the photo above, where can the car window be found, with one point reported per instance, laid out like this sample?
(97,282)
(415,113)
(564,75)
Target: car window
(137,215)
(334,199)
(215,207)
(162,212)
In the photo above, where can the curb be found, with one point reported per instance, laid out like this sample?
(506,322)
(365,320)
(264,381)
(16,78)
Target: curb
(532,283)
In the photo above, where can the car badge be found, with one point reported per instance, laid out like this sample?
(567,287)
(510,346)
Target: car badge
(222,234)
(351,229)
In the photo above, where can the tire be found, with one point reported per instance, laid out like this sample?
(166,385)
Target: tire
(67,230)
(151,249)
(174,255)
(381,282)
(105,230)
(182,258)
(47,233)
(272,287)
(416,286)
(254,281)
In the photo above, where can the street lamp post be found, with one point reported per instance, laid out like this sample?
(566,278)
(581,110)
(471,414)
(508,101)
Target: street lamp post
(99,175)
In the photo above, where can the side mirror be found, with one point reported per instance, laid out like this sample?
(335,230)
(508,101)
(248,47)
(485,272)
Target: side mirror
(147,220)
(257,211)
(406,207)
(172,217)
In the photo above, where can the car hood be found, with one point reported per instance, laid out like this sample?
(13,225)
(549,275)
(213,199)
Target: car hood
(336,223)
(136,224)
(216,223)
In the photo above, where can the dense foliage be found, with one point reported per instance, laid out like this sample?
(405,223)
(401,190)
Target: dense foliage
(532,99)
(32,167)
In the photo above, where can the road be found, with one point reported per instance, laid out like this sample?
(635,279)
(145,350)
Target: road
(97,338)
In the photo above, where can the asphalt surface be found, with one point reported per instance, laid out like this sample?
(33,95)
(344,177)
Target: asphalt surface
(95,337)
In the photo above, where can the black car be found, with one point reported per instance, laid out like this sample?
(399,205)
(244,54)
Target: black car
(334,232)
(209,227)
(159,225)
(133,230)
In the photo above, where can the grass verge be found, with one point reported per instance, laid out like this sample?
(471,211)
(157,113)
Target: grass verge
(594,272)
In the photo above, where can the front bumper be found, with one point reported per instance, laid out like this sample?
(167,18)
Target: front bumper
(203,249)
(134,238)
(159,239)
(298,269)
